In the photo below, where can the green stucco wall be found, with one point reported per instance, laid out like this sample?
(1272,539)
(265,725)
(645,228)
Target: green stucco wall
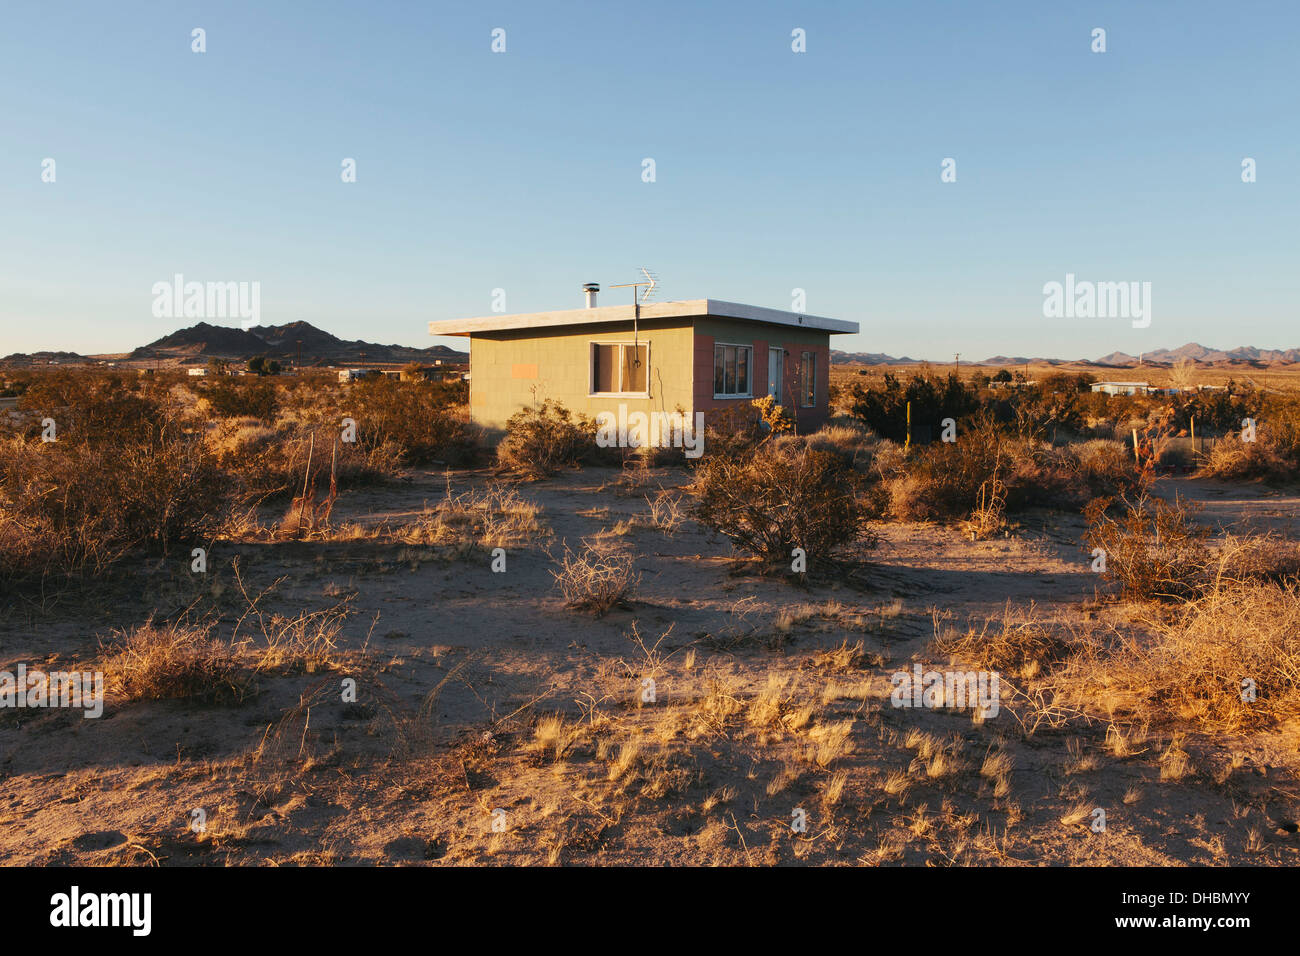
(509,370)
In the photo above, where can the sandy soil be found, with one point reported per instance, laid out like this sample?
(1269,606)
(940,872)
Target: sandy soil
(456,666)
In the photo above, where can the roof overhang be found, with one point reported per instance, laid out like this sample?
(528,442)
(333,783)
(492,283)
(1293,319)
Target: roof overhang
(690,308)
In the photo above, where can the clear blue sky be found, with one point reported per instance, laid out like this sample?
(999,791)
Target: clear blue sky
(775,170)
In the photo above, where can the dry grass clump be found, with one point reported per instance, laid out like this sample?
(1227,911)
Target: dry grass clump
(494,516)
(665,513)
(553,736)
(597,579)
(182,661)
(185,661)
(305,643)
(1017,644)
(766,708)
(779,497)
(829,743)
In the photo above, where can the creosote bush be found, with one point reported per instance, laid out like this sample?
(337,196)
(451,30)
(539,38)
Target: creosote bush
(543,439)
(779,497)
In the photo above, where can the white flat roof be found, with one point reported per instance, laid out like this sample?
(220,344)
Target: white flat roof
(690,308)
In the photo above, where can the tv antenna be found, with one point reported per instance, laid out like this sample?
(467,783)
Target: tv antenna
(650,283)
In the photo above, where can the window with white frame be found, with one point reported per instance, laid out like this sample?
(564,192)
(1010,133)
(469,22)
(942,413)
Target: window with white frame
(619,368)
(808,380)
(732,367)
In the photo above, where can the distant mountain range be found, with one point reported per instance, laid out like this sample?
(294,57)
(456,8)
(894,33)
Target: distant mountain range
(1244,356)
(199,343)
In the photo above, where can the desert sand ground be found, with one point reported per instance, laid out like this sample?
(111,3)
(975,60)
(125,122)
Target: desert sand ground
(770,699)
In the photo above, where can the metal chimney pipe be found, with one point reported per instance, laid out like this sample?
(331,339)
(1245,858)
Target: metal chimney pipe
(591,288)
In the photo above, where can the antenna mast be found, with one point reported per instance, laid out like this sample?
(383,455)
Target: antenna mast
(650,283)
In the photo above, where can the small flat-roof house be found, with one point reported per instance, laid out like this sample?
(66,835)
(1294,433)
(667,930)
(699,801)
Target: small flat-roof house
(699,355)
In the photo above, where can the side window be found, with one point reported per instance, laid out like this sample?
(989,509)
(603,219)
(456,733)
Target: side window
(732,366)
(808,380)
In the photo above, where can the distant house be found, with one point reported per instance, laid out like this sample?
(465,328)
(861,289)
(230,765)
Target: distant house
(197,372)
(355,374)
(1123,388)
(431,373)
(700,355)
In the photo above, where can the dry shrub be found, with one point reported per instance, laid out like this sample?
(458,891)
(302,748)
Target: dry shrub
(543,439)
(1227,660)
(297,452)
(1274,455)
(780,497)
(77,507)
(229,397)
(773,417)
(852,442)
(1153,549)
(733,431)
(414,418)
(989,514)
(596,580)
(945,479)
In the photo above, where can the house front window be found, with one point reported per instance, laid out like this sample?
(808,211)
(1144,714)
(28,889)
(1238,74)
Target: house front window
(808,380)
(619,368)
(731,371)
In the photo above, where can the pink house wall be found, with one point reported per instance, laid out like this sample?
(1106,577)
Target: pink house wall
(807,419)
